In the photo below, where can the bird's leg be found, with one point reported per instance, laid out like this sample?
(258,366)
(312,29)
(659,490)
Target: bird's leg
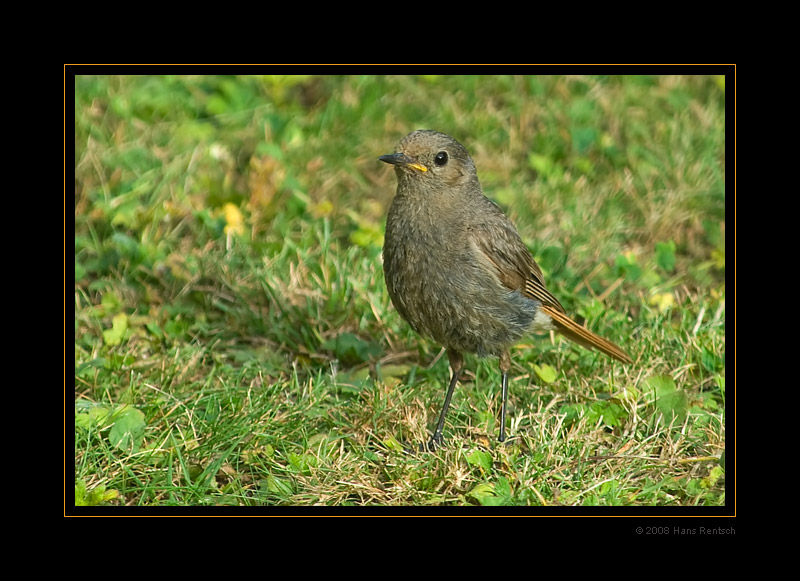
(456,364)
(505,365)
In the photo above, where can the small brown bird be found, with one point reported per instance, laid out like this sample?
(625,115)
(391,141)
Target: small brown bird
(456,268)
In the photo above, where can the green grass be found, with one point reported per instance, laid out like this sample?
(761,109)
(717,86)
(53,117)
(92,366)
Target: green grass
(235,344)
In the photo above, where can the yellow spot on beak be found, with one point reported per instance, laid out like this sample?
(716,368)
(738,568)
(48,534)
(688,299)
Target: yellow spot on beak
(418,166)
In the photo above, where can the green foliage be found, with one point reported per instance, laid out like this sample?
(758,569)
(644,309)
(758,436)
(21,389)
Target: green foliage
(125,425)
(114,335)
(127,430)
(493,493)
(97,496)
(607,413)
(671,403)
(665,255)
(546,373)
(481,459)
(235,345)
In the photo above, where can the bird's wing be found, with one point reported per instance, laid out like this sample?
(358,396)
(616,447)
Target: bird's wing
(499,245)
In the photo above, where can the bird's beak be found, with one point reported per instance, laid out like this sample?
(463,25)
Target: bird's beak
(402,160)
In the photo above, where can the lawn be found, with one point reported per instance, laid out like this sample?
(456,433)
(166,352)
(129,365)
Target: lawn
(235,344)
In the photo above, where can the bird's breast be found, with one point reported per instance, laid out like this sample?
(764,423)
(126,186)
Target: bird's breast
(440,287)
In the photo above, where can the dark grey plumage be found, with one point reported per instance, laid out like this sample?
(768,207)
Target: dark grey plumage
(455,266)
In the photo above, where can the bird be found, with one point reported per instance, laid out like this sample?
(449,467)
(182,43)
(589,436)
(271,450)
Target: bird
(457,270)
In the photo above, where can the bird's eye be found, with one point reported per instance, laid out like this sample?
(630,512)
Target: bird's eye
(440,159)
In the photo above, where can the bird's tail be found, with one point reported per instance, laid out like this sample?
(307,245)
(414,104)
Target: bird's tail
(583,336)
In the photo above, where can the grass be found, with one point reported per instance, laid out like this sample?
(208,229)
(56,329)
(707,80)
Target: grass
(235,344)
